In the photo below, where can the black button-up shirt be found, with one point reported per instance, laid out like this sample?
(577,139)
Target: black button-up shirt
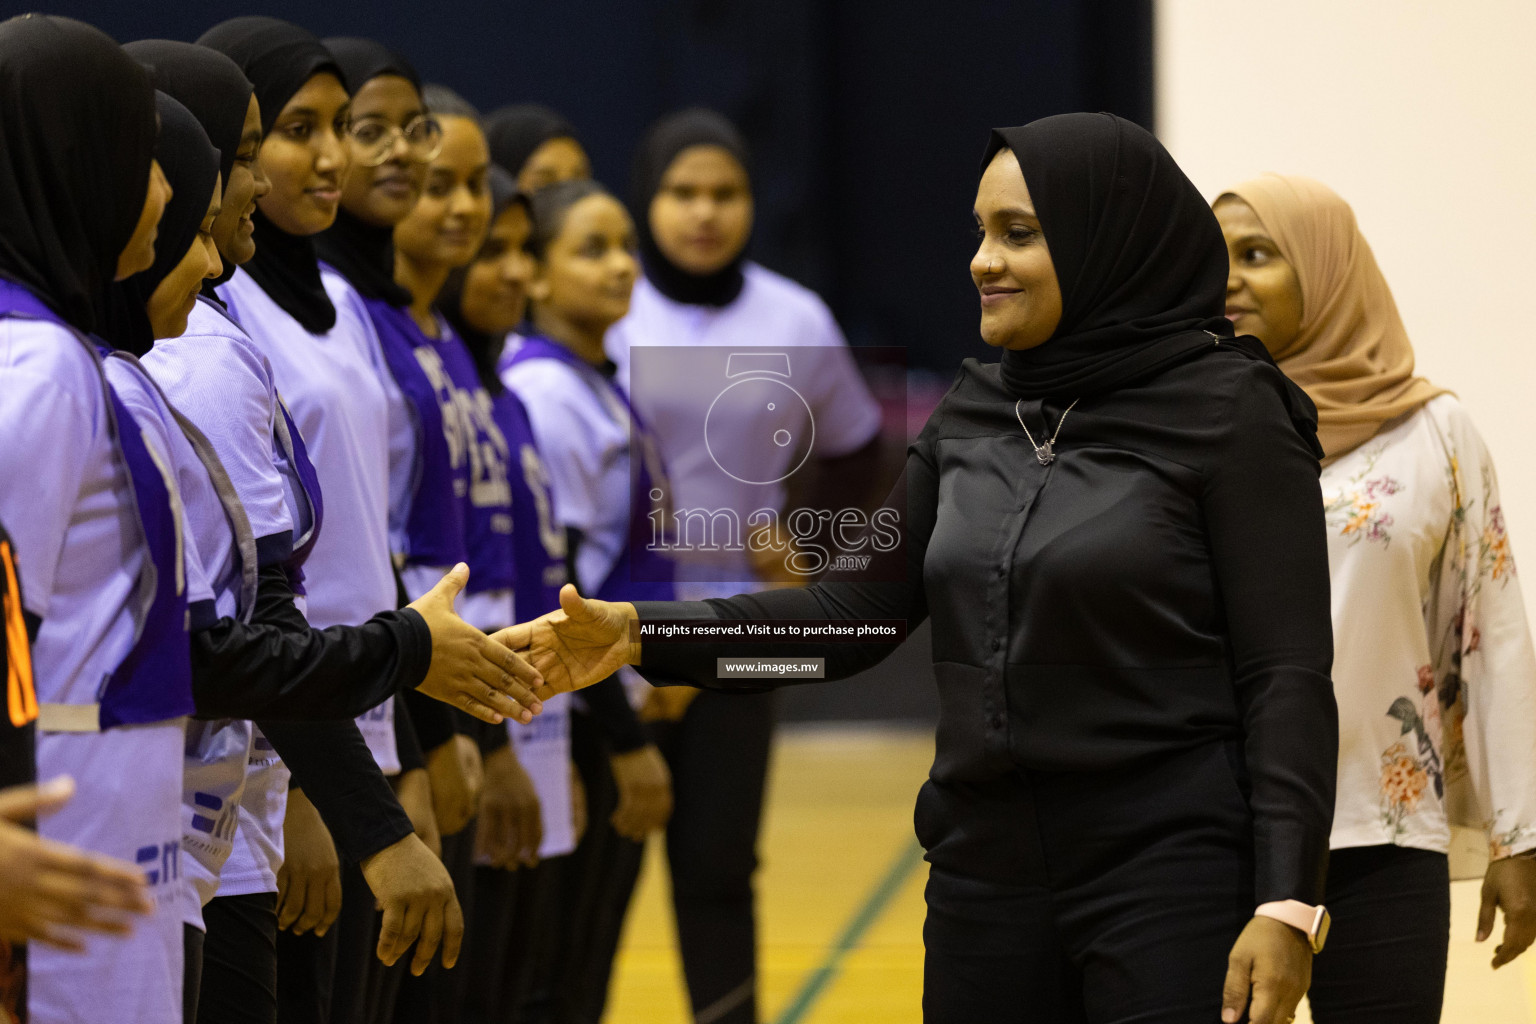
(1161,584)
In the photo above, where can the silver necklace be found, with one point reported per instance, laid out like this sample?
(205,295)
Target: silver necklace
(1046,453)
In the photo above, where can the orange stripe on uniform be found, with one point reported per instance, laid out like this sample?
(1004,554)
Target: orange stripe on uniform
(21,695)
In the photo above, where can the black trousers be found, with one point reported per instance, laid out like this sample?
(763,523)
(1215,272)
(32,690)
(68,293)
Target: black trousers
(511,971)
(718,754)
(238,961)
(1386,953)
(1117,898)
(339,978)
(596,884)
(436,997)
(191,970)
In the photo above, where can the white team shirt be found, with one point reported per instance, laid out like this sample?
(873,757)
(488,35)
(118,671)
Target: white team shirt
(236,789)
(332,385)
(582,430)
(675,396)
(79,553)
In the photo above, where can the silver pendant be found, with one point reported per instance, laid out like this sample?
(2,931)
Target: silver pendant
(1045,454)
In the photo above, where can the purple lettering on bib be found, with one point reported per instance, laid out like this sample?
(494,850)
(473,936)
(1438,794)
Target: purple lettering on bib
(537,539)
(421,367)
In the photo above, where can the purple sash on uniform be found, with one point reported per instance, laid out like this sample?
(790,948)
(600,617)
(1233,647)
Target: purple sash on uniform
(640,574)
(292,442)
(538,572)
(434,525)
(154,682)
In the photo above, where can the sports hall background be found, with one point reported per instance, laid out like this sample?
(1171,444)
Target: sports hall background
(867,118)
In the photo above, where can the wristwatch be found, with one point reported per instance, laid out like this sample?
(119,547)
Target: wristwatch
(1313,922)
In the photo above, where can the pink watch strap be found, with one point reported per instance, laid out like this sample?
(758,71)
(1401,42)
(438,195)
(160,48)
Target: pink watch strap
(1302,916)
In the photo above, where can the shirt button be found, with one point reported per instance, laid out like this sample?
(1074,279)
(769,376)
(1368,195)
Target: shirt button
(1002,571)
(997,644)
(996,721)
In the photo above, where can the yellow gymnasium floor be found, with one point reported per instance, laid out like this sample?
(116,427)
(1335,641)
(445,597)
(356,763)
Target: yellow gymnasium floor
(841,901)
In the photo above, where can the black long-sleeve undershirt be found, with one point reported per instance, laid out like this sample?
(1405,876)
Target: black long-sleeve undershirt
(332,764)
(278,667)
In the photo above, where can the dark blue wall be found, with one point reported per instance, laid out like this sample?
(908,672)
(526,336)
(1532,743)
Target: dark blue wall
(867,116)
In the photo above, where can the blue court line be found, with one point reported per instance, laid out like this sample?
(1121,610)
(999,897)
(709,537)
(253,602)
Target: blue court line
(852,935)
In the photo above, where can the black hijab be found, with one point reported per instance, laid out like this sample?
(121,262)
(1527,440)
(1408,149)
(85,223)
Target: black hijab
(363,252)
(485,348)
(214,89)
(661,145)
(278,58)
(191,165)
(1139,256)
(77,135)
(207,83)
(514,132)
(1138,253)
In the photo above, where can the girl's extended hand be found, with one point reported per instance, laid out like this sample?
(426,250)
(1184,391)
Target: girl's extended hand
(48,889)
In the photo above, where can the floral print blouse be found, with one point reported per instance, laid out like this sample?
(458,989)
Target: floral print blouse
(1433,668)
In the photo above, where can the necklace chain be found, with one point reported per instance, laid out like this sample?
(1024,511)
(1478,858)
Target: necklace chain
(1046,453)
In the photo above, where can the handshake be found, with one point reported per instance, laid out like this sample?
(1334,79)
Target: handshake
(583,643)
(509,673)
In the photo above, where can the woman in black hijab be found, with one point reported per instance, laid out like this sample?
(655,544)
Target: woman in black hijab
(279,59)
(216,92)
(536,145)
(386,177)
(80,200)
(73,226)
(1117,534)
(668,139)
(136,311)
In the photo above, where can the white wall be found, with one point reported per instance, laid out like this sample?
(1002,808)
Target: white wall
(1421,113)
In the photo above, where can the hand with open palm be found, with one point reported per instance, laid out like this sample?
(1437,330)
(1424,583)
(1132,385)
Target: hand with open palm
(585,642)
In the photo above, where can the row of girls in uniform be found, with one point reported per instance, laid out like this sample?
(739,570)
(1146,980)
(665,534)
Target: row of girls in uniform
(264,328)
(205,494)
(167,519)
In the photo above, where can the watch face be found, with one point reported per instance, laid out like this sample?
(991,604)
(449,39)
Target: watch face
(759,430)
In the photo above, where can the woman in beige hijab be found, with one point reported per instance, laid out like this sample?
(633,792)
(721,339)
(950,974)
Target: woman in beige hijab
(1433,668)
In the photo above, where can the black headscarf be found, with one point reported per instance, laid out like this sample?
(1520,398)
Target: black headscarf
(363,252)
(278,58)
(363,60)
(207,83)
(485,348)
(191,165)
(77,135)
(661,145)
(214,89)
(514,132)
(1138,254)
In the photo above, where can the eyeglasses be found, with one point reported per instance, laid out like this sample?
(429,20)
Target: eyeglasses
(375,138)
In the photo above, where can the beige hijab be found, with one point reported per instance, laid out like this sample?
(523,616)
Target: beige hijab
(1352,354)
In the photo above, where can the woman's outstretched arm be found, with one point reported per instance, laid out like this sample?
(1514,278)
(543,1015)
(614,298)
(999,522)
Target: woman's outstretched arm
(586,637)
